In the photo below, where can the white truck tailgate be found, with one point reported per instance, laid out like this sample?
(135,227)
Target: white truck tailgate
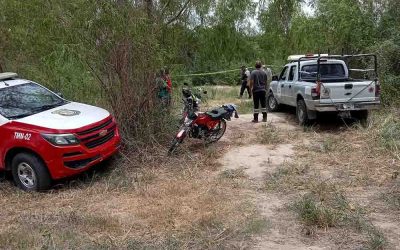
(353,91)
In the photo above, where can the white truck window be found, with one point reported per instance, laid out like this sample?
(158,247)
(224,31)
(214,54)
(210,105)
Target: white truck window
(328,71)
(283,73)
(292,71)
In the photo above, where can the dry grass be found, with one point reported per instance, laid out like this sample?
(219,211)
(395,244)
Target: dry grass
(392,196)
(151,203)
(233,173)
(354,153)
(269,134)
(336,163)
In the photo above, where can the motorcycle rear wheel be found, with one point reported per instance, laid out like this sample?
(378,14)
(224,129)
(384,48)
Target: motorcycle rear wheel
(217,134)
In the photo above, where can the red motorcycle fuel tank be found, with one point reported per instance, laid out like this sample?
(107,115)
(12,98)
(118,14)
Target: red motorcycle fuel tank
(207,121)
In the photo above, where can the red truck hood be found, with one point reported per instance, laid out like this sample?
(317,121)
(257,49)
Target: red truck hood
(67,117)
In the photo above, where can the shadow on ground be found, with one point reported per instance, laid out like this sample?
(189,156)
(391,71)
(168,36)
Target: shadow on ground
(326,122)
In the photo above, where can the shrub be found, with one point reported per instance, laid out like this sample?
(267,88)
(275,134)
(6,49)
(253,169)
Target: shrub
(389,134)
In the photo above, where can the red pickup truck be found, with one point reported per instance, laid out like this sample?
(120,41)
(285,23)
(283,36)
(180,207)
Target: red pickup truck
(44,137)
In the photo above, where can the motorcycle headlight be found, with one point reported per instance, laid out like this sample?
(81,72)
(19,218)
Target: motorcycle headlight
(61,139)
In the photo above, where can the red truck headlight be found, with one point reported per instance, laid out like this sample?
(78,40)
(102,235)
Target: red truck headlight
(61,139)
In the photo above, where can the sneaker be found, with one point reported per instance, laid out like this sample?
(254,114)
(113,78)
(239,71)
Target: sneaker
(264,119)
(254,121)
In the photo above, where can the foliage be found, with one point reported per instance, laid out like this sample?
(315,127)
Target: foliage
(99,52)
(107,52)
(390,134)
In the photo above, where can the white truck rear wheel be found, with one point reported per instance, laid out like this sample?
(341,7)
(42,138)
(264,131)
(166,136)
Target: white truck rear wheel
(302,113)
(272,103)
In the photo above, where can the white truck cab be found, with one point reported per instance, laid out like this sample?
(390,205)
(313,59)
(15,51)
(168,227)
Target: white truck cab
(322,83)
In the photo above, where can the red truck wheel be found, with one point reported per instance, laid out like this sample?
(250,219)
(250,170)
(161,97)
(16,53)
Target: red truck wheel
(30,173)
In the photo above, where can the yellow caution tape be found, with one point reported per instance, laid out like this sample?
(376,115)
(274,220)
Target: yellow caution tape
(215,73)
(210,73)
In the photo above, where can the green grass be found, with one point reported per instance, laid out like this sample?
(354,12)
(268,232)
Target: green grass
(376,240)
(245,106)
(313,211)
(222,92)
(326,206)
(389,134)
(228,94)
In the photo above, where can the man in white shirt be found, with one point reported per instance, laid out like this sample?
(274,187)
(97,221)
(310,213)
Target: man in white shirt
(269,74)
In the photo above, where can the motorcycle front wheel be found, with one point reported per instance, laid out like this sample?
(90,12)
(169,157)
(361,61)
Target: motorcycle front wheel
(217,133)
(174,145)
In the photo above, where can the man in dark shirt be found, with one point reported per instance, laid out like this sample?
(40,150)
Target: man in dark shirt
(245,78)
(258,83)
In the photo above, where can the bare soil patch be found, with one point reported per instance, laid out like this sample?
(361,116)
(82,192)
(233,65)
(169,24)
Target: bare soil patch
(257,159)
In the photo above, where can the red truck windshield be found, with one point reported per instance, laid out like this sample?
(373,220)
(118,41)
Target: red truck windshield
(26,99)
(327,71)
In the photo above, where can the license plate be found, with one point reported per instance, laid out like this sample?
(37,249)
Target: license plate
(348,106)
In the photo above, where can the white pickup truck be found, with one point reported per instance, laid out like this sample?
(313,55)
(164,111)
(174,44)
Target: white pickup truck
(322,83)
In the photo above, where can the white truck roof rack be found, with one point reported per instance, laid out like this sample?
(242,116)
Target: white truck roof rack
(293,58)
(7,75)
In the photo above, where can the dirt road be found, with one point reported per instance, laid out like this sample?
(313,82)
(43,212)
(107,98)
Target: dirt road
(279,160)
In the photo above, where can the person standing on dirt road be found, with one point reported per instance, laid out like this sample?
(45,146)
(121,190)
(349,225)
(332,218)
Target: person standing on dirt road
(258,84)
(245,78)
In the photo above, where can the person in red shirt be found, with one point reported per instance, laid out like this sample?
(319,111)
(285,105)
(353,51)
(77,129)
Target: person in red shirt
(167,78)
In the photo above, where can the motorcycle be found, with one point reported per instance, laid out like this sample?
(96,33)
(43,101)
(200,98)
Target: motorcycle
(209,126)
(191,102)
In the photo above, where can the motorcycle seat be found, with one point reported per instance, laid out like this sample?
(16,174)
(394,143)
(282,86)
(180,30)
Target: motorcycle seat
(217,113)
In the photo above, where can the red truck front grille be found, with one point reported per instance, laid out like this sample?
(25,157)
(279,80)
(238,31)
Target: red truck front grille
(101,140)
(98,135)
(99,127)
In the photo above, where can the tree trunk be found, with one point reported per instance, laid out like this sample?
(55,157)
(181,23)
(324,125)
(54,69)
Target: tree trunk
(149,8)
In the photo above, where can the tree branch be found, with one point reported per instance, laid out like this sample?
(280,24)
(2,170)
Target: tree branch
(174,18)
(165,7)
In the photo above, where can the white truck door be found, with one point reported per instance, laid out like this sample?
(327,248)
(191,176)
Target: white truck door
(281,88)
(291,81)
